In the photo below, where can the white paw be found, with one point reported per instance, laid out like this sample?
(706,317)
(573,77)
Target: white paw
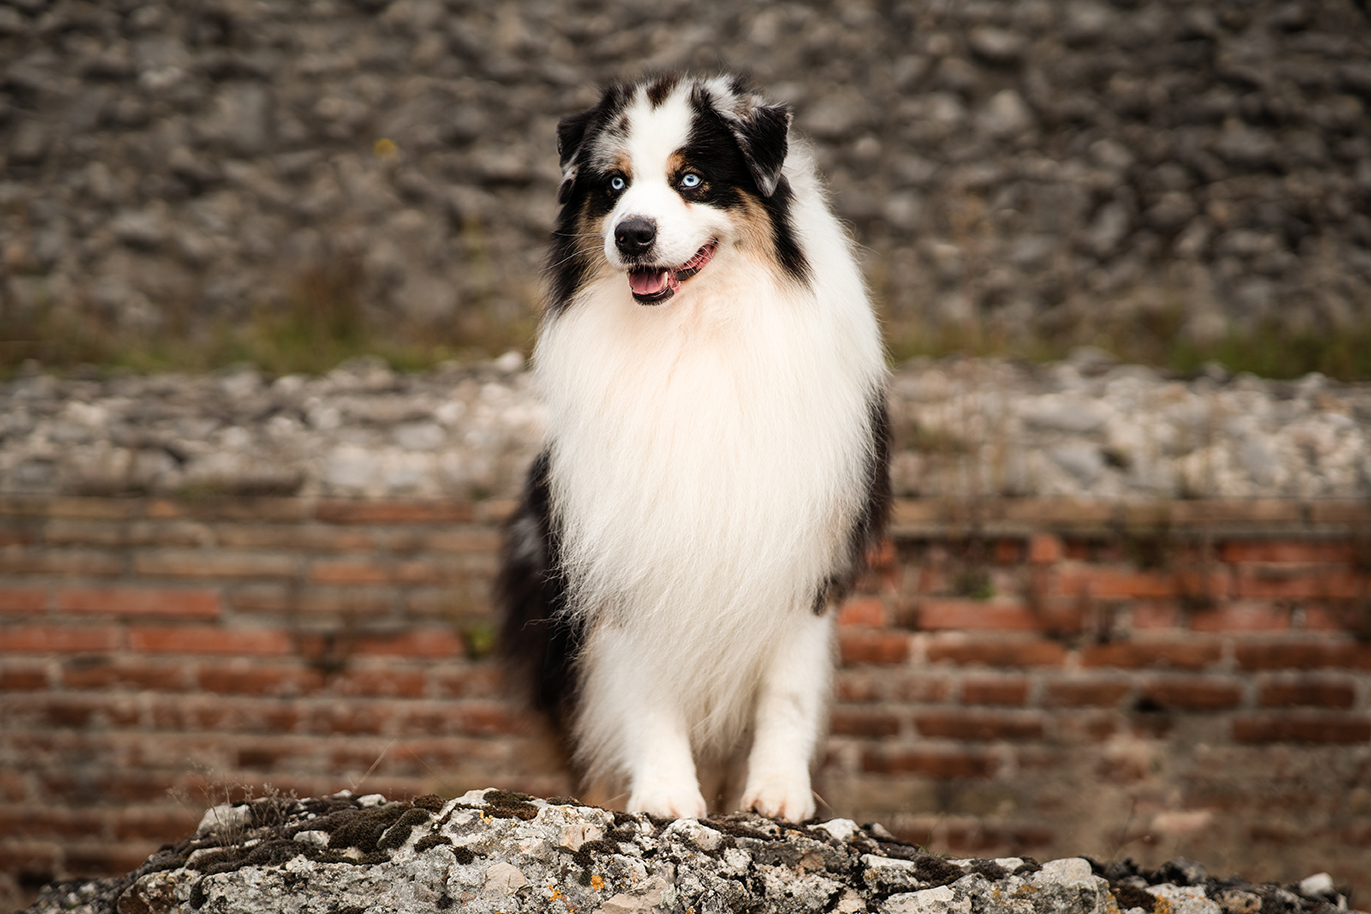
(670,801)
(781,797)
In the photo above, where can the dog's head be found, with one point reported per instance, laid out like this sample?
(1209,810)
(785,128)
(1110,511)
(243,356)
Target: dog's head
(662,177)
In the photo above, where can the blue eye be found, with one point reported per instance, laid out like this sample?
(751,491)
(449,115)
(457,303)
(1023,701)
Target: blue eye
(690,179)
(617,183)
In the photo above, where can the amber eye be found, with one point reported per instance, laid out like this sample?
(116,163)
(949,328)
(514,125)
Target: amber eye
(691,180)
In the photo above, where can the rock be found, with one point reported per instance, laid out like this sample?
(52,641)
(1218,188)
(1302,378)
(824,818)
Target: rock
(487,851)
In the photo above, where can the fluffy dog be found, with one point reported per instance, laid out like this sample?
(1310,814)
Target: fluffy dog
(716,461)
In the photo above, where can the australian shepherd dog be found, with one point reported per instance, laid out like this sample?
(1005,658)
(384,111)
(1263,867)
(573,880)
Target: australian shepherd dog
(716,461)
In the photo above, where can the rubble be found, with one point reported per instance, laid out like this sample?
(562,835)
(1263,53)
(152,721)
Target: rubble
(499,851)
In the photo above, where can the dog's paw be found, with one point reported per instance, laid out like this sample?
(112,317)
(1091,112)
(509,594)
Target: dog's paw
(670,801)
(781,797)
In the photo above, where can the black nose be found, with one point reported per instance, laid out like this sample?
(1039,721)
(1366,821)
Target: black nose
(635,236)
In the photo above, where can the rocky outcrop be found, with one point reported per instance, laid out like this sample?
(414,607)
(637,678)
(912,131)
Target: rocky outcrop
(493,850)
(966,429)
(1027,168)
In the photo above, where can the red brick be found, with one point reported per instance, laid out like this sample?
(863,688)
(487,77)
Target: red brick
(936,763)
(12,535)
(1085,693)
(393,512)
(23,599)
(1045,548)
(140,601)
(209,640)
(468,603)
(379,682)
(977,725)
(1312,551)
(1306,655)
(32,859)
(999,652)
(468,541)
(974,615)
(79,711)
(124,533)
(88,563)
(1154,614)
(104,673)
(209,563)
(107,859)
(1114,583)
(318,601)
(865,722)
(347,571)
(158,825)
(864,646)
(257,679)
(295,537)
(438,571)
(481,719)
(476,681)
(16,676)
(1184,655)
(1241,617)
(864,611)
(36,823)
(1325,728)
(1307,583)
(1193,693)
(41,639)
(1308,693)
(432,642)
(254,510)
(997,691)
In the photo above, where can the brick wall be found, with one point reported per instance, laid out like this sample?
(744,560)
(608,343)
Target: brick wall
(1019,677)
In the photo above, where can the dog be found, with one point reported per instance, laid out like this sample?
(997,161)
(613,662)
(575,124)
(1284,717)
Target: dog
(716,463)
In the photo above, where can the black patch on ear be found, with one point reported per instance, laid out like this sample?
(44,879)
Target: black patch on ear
(571,130)
(763,136)
(567,263)
(717,147)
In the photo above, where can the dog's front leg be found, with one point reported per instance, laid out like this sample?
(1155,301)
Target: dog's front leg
(664,781)
(626,706)
(790,716)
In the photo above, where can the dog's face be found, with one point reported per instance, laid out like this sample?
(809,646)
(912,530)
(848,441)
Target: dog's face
(661,178)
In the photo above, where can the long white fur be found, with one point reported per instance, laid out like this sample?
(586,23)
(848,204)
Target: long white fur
(708,460)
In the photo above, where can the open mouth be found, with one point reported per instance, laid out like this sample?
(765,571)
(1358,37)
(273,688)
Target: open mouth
(654,285)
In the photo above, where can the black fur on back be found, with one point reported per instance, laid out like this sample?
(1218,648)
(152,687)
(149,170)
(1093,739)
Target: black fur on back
(537,639)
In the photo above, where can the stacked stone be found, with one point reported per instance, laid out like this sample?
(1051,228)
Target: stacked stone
(1018,167)
(1082,428)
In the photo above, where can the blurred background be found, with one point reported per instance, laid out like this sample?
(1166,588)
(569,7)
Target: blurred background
(192,184)
(271,270)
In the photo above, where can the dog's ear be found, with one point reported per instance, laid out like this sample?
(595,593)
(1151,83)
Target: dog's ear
(571,130)
(763,136)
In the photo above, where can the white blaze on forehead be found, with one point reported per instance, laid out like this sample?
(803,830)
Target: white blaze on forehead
(655,133)
(652,134)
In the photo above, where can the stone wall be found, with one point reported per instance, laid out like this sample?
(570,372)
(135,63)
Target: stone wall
(1028,168)
(1086,428)
(1042,677)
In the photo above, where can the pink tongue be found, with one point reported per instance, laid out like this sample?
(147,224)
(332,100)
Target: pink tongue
(644,282)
